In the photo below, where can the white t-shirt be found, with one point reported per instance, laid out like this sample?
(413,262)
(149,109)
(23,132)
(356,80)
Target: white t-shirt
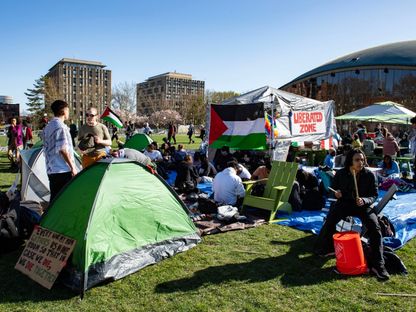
(244,174)
(154,155)
(227,185)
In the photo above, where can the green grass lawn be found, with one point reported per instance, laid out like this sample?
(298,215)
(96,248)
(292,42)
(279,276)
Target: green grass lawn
(269,268)
(180,139)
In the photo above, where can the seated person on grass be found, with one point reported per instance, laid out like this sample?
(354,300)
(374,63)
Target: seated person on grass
(228,187)
(153,154)
(389,167)
(187,178)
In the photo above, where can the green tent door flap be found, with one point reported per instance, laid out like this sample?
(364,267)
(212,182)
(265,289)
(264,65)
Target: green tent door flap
(123,218)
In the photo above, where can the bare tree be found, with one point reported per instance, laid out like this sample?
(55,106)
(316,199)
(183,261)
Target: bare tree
(124,97)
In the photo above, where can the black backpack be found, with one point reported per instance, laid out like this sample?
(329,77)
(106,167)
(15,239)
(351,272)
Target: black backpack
(4,203)
(9,221)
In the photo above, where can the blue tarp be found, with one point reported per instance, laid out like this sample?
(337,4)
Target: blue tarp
(203,187)
(401,212)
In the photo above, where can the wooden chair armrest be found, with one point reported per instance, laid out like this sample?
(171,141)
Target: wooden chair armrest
(250,184)
(254,181)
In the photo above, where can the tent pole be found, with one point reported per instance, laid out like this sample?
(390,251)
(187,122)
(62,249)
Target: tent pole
(272,126)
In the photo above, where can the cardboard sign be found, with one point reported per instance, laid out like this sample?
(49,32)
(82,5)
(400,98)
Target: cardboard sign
(308,122)
(281,149)
(45,255)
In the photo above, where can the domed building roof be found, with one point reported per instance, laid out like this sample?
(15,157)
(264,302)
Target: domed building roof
(394,54)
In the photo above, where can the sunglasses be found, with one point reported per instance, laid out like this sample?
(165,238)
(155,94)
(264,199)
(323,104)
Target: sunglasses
(90,115)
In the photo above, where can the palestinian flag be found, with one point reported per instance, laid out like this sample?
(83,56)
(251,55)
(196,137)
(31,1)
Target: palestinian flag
(110,116)
(237,126)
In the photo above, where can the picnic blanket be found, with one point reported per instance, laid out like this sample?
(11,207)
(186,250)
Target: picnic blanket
(401,212)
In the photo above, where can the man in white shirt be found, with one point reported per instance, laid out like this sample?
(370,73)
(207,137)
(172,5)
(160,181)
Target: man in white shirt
(228,187)
(243,173)
(59,151)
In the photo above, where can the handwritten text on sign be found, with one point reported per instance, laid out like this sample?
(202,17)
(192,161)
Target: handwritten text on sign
(45,255)
(310,122)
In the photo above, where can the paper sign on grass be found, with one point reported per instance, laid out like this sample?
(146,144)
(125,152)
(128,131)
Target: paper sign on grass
(45,255)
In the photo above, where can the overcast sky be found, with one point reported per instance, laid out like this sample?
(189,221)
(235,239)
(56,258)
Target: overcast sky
(232,45)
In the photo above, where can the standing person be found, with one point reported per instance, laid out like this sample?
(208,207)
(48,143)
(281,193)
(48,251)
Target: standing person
(404,145)
(172,133)
(190,133)
(59,151)
(357,203)
(390,146)
(412,146)
(73,130)
(27,135)
(114,131)
(202,133)
(43,122)
(129,130)
(93,139)
(377,129)
(15,145)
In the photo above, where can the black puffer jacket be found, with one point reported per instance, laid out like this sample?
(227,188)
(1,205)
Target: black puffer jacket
(367,186)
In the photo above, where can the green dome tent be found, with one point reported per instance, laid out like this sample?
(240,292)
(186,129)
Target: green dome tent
(138,142)
(123,218)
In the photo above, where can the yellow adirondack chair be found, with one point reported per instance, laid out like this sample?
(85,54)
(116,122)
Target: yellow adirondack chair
(277,190)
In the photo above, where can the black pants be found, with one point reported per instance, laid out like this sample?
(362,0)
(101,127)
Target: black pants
(57,181)
(368,218)
(172,136)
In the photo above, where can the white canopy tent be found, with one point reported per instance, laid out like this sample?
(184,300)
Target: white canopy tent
(300,118)
(386,112)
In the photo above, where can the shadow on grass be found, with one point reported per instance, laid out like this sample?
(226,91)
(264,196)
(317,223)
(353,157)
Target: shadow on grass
(297,267)
(16,287)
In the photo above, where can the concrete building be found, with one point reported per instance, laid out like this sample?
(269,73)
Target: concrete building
(170,90)
(8,109)
(383,73)
(81,84)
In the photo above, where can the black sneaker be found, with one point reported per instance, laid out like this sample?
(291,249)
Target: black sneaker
(381,273)
(325,254)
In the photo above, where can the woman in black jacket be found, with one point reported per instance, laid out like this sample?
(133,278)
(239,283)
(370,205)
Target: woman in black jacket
(357,203)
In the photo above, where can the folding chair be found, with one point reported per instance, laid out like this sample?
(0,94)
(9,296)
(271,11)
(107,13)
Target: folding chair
(350,224)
